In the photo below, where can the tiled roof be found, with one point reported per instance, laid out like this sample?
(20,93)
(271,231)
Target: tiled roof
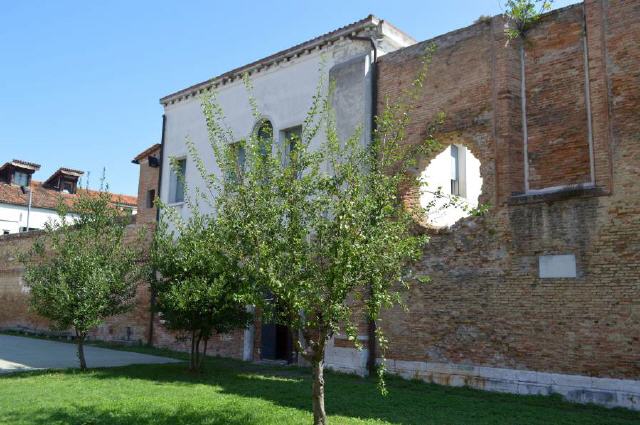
(49,198)
(21,164)
(145,153)
(306,46)
(65,171)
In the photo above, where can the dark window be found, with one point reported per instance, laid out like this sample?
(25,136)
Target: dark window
(68,186)
(265,136)
(241,156)
(239,159)
(177,181)
(292,138)
(20,178)
(455,171)
(151,196)
(5,232)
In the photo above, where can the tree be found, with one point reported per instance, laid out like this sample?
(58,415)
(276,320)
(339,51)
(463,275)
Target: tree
(319,231)
(197,290)
(82,271)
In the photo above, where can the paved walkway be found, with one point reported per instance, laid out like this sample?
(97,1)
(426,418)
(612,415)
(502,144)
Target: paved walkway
(20,353)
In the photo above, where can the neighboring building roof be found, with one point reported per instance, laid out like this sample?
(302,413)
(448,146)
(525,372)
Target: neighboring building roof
(49,199)
(370,22)
(21,164)
(64,171)
(145,153)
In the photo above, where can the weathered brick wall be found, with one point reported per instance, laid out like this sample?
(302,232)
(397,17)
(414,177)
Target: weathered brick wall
(14,306)
(558,137)
(148,180)
(487,305)
(14,296)
(130,327)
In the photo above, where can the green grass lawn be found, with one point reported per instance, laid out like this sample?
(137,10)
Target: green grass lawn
(234,393)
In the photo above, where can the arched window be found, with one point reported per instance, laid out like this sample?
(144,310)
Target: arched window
(264,134)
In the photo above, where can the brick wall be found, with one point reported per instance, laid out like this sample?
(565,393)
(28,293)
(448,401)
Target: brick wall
(487,305)
(148,180)
(132,327)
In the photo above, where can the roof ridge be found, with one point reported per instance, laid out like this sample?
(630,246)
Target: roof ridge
(309,44)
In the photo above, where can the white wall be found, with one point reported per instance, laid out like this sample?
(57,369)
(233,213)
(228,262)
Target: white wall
(283,93)
(12,217)
(437,178)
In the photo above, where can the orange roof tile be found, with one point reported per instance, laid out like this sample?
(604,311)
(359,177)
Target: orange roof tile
(49,198)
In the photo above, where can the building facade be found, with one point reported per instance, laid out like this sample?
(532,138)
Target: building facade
(538,295)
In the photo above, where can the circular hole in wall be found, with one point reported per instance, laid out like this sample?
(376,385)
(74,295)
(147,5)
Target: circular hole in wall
(450,186)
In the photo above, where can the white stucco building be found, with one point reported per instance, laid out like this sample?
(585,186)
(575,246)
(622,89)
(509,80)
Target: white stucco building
(283,87)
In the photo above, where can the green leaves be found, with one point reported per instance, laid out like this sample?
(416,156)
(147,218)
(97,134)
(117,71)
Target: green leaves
(82,271)
(523,14)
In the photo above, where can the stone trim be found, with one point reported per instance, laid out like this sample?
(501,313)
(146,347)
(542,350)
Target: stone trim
(607,392)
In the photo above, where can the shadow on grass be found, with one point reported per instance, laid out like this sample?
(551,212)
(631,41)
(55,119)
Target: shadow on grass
(85,415)
(408,402)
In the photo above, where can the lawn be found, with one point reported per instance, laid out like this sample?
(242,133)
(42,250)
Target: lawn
(234,393)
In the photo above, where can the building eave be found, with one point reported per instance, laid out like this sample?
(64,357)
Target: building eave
(307,47)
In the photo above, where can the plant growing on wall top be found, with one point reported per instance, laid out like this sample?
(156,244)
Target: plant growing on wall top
(523,14)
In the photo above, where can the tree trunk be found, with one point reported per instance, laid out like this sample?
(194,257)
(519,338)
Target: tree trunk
(80,341)
(319,414)
(192,357)
(204,352)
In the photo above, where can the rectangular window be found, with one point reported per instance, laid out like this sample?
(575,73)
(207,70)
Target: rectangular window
(5,232)
(239,158)
(20,178)
(68,186)
(151,196)
(177,180)
(292,137)
(455,171)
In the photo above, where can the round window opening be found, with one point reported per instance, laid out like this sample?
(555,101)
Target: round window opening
(450,186)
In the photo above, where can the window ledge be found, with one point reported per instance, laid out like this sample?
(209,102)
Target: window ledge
(176,204)
(557,194)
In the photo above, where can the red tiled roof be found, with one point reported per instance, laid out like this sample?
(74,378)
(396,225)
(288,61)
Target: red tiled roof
(142,155)
(49,198)
(19,163)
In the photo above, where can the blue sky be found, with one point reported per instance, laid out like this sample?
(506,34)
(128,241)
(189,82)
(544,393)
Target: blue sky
(80,80)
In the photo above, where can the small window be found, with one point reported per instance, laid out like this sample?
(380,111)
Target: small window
(5,232)
(292,138)
(239,158)
(455,171)
(20,178)
(151,196)
(68,186)
(265,136)
(177,181)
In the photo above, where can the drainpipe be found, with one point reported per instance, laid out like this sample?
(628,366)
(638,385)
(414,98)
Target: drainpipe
(26,189)
(374,79)
(152,296)
(371,326)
